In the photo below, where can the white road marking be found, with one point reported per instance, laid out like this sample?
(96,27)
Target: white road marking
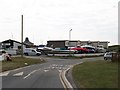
(4,73)
(60,71)
(18,74)
(60,67)
(30,74)
(53,67)
(46,70)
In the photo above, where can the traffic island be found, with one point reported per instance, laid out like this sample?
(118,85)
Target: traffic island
(97,74)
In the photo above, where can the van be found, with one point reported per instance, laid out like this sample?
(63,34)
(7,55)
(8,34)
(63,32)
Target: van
(31,52)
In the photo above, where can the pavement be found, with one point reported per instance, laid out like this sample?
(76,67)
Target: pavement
(45,75)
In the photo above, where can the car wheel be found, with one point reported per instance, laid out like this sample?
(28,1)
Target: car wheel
(26,54)
(38,54)
(105,58)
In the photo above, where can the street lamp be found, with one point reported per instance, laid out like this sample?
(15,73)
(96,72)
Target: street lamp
(70,34)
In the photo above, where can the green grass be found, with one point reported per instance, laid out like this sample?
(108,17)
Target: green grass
(97,74)
(18,62)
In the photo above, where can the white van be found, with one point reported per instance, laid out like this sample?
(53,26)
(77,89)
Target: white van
(31,52)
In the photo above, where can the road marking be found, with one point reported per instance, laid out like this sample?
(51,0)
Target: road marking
(18,74)
(46,70)
(4,73)
(66,82)
(53,67)
(60,71)
(60,76)
(30,74)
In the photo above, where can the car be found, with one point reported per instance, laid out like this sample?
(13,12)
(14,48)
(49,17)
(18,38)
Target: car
(31,52)
(91,49)
(80,50)
(108,56)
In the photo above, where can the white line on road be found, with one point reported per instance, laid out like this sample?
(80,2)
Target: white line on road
(18,74)
(46,70)
(60,71)
(30,74)
(4,73)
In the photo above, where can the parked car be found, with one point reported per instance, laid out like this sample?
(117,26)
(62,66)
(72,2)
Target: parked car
(31,51)
(90,48)
(80,50)
(100,49)
(44,49)
(108,56)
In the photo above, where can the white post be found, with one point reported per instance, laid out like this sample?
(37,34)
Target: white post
(70,36)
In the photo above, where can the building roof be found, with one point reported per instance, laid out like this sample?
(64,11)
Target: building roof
(10,40)
(27,42)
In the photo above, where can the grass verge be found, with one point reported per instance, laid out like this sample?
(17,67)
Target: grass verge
(98,74)
(18,62)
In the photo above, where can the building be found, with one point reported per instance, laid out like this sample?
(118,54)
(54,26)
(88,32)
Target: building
(74,43)
(28,43)
(0,45)
(11,44)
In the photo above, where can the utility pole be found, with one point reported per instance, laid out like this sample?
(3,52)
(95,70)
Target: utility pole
(70,36)
(21,35)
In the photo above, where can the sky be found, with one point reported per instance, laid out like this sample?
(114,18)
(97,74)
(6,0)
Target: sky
(94,20)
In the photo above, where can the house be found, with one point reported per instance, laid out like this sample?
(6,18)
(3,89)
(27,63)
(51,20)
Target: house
(74,43)
(11,44)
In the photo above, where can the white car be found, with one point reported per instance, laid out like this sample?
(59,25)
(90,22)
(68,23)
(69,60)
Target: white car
(108,56)
(31,52)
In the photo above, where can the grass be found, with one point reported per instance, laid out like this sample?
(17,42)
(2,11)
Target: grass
(18,62)
(97,74)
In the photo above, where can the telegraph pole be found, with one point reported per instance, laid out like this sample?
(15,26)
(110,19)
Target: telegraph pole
(21,35)
(70,36)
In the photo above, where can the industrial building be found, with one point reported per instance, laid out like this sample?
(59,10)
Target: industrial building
(74,43)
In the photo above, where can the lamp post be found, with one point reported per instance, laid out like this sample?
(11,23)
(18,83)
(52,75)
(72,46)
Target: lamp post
(70,36)
(21,35)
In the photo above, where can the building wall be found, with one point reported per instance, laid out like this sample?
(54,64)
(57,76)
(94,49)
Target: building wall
(16,45)
(56,44)
(61,44)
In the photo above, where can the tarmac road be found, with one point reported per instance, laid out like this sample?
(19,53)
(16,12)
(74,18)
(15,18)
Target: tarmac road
(45,75)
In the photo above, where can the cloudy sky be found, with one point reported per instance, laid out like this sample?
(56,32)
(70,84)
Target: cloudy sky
(95,20)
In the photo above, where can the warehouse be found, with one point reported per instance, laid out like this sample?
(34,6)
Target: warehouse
(74,43)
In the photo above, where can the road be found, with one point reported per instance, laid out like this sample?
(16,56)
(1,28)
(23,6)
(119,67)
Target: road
(45,75)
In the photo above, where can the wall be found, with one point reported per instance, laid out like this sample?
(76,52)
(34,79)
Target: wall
(16,45)
(56,44)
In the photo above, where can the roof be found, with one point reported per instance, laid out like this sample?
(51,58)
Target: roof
(9,40)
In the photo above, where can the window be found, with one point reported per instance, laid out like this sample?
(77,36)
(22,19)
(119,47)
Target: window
(19,47)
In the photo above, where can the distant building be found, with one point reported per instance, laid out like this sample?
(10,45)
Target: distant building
(11,44)
(0,45)
(28,43)
(74,43)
